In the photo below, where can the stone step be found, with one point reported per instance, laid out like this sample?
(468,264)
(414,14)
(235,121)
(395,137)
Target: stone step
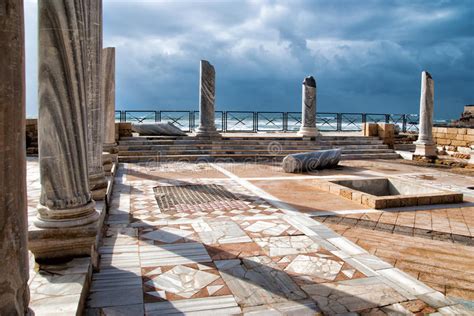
(240,147)
(253,143)
(256,137)
(405,147)
(240,157)
(233,151)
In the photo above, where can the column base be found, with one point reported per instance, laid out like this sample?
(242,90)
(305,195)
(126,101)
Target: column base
(308,132)
(65,218)
(108,161)
(110,148)
(98,186)
(425,150)
(207,132)
(66,241)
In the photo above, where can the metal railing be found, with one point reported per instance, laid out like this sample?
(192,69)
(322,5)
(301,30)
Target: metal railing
(251,122)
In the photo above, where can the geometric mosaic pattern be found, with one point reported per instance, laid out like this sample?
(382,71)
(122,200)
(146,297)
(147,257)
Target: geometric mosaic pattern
(196,198)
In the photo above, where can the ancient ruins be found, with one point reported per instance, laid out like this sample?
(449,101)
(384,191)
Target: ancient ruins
(222,219)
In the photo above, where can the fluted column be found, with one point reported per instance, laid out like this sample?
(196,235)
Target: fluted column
(95,111)
(108,103)
(207,95)
(308,111)
(108,95)
(425,146)
(62,118)
(14,293)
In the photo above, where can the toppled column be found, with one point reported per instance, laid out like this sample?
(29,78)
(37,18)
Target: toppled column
(95,110)
(308,111)
(312,161)
(425,146)
(207,95)
(14,293)
(108,103)
(66,224)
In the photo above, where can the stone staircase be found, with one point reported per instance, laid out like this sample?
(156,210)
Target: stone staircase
(240,148)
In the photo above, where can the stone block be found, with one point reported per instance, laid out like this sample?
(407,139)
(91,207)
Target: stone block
(468,138)
(409,201)
(470,131)
(440,130)
(370,129)
(125,129)
(459,137)
(365,199)
(443,141)
(380,203)
(334,188)
(386,132)
(437,199)
(459,143)
(458,198)
(423,200)
(357,197)
(451,135)
(452,130)
(346,193)
(393,202)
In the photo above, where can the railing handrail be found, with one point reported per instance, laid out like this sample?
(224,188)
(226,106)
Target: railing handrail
(280,122)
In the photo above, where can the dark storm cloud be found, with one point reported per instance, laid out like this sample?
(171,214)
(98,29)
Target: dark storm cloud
(366,55)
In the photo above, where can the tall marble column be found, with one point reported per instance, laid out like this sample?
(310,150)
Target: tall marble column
(95,111)
(67,211)
(108,106)
(425,146)
(207,95)
(14,293)
(308,111)
(108,95)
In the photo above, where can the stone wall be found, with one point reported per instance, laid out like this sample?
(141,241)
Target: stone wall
(453,138)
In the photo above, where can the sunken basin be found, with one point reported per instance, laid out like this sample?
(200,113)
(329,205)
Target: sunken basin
(382,193)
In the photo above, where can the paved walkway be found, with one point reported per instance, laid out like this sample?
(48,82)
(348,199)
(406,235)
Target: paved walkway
(220,244)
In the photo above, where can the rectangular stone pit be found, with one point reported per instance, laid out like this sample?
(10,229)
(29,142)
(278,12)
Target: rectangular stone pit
(382,193)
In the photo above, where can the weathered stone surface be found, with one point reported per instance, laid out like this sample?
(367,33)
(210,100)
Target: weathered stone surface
(308,111)
(157,129)
(425,145)
(311,161)
(14,293)
(108,95)
(207,95)
(95,110)
(65,196)
(471,159)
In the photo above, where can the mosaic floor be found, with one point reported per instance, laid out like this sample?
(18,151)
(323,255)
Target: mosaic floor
(229,247)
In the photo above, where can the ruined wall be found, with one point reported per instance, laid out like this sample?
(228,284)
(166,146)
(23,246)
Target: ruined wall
(454,138)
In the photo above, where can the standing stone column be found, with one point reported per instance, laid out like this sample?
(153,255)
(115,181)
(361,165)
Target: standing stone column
(425,146)
(108,96)
(67,218)
(108,103)
(308,112)
(207,95)
(95,111)
(14,293)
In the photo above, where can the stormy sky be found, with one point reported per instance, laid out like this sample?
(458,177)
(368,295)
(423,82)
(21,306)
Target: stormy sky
(367,56)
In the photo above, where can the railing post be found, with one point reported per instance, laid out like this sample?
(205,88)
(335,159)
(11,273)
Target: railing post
(157,116)
(285,122)
(387,118)
(339,121)
(364,118)
(255,121)
(404,124)
(224,124)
